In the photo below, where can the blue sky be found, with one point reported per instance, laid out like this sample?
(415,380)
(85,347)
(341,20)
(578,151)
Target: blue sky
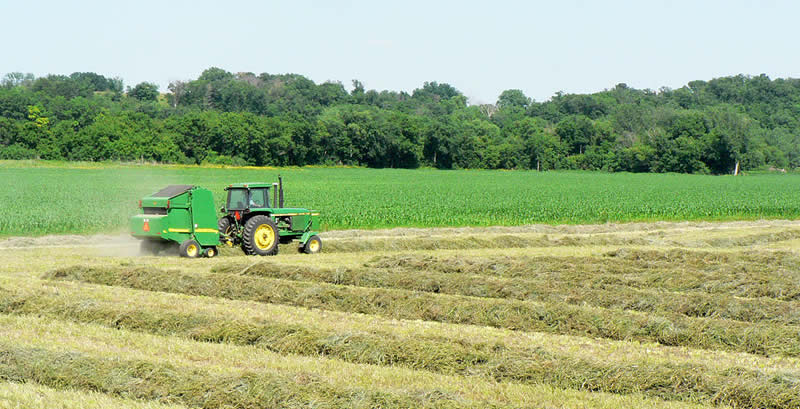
(480,47)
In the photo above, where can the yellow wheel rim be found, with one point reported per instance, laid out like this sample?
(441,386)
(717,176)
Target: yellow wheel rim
(192,250)
(211,253)
(264,237)
(313,245)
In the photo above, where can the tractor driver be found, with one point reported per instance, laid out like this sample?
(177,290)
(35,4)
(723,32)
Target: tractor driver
(257,198)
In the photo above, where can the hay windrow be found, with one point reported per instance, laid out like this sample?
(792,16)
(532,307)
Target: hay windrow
(498,241)
(552,316)
(28,395)
(344,243)
(562,318)
(196,387)
(767,274)
(605,294)
(754,239)
(685,382)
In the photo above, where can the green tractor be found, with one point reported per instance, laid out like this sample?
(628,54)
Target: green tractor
(185,215)
(257,226)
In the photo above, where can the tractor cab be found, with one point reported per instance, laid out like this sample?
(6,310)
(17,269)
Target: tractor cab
(247,196)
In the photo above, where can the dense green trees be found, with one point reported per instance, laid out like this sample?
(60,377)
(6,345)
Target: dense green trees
(144,91)
(287,119)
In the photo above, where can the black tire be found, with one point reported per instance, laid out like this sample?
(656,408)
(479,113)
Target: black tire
(313,245)
(225,226)
(211,252)
(190,249)
(257,240)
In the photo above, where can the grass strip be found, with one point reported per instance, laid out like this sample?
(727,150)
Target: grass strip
(599,295)
(560,318)
(687,382)
(141,379)
(752,274)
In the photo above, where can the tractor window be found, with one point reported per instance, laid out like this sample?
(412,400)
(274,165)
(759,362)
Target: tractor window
(259,198)
(237,199)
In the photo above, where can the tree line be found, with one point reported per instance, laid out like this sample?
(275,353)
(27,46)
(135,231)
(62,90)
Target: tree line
(278,120)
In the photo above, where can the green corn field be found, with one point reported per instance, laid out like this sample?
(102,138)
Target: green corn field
(41,198)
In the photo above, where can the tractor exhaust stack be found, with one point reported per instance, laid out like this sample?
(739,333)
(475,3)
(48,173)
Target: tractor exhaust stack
(275,195)
(280,191)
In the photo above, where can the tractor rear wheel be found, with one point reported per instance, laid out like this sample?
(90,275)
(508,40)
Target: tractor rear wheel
(313,245)
(260,236)
(190,249)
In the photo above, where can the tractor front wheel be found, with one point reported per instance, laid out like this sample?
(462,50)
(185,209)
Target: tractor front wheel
(313,245)
(260,236)
(190,249)
(226,228)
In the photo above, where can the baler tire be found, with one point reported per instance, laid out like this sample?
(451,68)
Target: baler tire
(313,245)
(190,249)
(249,236)
(211,252)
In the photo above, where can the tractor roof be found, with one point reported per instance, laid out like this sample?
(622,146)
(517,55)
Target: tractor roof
(249,184)
(171,191)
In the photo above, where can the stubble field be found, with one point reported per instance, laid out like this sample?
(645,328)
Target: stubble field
(637,315)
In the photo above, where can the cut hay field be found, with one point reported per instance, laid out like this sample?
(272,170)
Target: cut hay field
(636,315)
(60,198)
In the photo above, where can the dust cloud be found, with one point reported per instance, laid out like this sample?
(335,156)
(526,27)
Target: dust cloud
(121,245)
